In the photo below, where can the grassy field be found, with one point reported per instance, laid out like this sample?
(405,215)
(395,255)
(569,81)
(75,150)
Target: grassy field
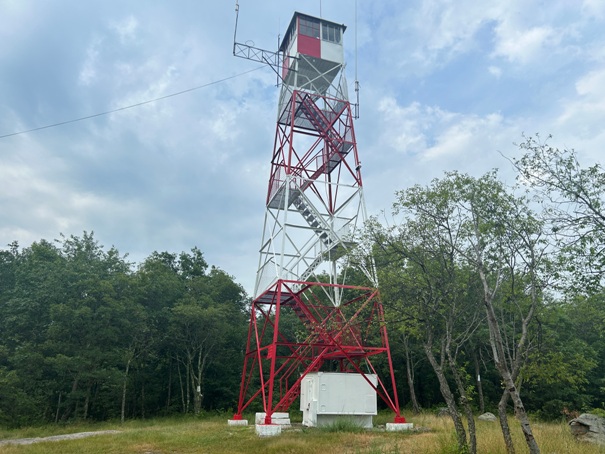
(213,435)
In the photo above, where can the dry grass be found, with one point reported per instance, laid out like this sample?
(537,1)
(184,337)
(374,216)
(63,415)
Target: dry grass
(435,435)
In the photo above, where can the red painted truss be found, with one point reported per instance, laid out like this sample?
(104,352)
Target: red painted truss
(295,329)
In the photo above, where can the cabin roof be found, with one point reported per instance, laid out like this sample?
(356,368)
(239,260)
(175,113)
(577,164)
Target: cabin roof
(292,26)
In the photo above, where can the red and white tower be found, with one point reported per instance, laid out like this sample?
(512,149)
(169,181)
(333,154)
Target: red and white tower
(314,208)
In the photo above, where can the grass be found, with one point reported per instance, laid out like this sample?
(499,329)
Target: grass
(213,435)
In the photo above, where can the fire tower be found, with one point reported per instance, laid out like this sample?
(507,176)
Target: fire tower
(305,318)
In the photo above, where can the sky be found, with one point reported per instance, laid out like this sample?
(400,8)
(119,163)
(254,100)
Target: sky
(444,85)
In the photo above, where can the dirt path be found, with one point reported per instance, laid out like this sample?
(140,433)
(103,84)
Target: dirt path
(29,441)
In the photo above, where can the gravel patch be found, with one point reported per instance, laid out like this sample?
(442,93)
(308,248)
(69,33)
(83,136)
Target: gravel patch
(29,441)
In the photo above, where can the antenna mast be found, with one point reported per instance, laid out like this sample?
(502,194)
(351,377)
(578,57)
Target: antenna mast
(251,52)
(356,105)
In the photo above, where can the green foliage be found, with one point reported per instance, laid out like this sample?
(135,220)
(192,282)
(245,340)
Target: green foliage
(16,407)
(448,445)
(553,410)
(572,197)
(83,336)
(597,411)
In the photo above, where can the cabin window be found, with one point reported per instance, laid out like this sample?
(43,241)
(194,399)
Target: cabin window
(330,32)
(309,27)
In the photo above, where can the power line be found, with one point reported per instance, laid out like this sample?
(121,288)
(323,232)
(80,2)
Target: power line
(129,107)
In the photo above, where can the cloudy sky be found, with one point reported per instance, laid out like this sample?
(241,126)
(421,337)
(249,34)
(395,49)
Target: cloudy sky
(445,85)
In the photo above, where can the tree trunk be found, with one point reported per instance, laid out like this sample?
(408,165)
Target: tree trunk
(201,366)
(449,399)
(464,401)
(124,383)
(143,400)
(197,401)
(74,389)
(521,415)
(410,375)
(87,401)
(178,365)
(509,384)
(169,396)
(187,384)
(196,385)
(58,408)
(478,381)
(508,439)
(497,344)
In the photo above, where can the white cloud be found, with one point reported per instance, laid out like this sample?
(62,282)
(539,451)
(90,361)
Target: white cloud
(404,128)
(431,33)
(433,134)
(469,145)
(420,38)
(420,142)
(88,73)
(595,8)
(586,112)
(467,136)
(495,71)
(16,19)
(593,85)
(523,45)
(126,29)
(582,117)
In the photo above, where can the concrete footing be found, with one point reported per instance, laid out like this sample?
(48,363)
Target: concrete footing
(237,422)
(278,418)
(268,430)
(394,427)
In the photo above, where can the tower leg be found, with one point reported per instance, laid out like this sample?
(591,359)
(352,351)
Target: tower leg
(275,364)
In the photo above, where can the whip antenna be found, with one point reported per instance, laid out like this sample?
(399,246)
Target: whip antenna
(356,79)
(236,18)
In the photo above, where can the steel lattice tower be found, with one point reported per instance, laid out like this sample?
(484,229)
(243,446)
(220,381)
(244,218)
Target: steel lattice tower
(314,208)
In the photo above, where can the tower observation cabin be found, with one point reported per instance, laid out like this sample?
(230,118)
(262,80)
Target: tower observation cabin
(312,53)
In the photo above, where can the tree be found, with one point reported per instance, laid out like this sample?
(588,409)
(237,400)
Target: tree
(575,208)
(563,363)
(575,329)
(465,238)
(34,282)
(504,239)
(82,336)
(91,324)
(411,362)
(197,316)
(421,279)
(158,288)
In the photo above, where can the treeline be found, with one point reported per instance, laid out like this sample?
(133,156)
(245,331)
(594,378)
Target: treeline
(84,336)
(493,297)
